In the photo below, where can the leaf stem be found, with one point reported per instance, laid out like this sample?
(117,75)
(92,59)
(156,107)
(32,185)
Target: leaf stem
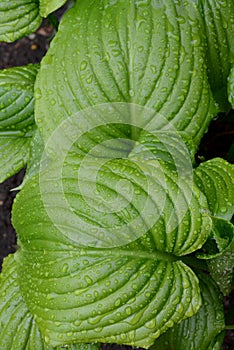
(156,255)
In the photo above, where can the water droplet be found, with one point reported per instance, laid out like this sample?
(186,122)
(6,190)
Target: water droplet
(196,40)
(37,93)
(83,65)
(47,339)
(52,102)
(49,296)
(77,323)
(151,324)
(65,268)
(186,283)
(128,310)
(118,302)
(153,68)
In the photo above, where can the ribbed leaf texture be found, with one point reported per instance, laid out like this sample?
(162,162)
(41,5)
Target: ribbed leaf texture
(215,178)
(18,18)
(123,98)
(16,117)
(128,51)
(19,330)
(202,331)
(219,29)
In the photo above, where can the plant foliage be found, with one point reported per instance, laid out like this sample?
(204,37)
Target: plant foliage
(114,216)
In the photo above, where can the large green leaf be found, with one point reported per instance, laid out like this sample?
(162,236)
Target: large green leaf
(103,225)
(16,117)
(18,18)
(46,7)
(99,274)
(215,178)
(145,53)
(202,331)
(218,16)
(109,296)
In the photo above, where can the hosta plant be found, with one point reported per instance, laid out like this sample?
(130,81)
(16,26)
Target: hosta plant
(123,238)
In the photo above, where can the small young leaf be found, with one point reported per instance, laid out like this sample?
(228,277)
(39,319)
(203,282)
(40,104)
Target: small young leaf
(215,180)
(219,253)
(202,331)
(46,7)
(18,18)
(16,117)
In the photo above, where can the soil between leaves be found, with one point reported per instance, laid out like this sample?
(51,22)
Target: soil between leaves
(218,142)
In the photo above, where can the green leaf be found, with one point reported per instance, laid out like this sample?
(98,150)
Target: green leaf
(219,253)
(215,180)
(201,331)
(218,17)
(18,18)
(103,225)
(34,158)
(121,52)
(231,87)
(99,274)
(16,117)
(18,329)
(96,295)
(46,7)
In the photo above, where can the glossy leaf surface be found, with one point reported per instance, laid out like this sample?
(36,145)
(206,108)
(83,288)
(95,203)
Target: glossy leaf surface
(123,98)
(18,18)
(219,253)
(46,7)
(16,117)
(18,329)
(215,178)
(202,331)
(133,52)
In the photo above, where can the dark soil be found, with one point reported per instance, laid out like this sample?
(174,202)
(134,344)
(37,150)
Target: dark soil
(218,142)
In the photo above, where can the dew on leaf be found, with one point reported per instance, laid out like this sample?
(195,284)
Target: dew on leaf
(65,268)
(118,302)
(128,310)
(77,323)
(52,102)
(151,324)
(47,339)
